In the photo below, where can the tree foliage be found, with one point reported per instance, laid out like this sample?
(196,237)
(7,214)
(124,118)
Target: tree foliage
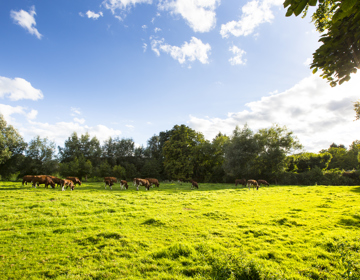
(339,55)
(11,142)
(179,151)
(259,155)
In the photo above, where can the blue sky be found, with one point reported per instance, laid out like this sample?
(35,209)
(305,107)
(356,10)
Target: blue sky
(133,68)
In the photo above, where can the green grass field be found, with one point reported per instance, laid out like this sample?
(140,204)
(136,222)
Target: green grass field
(217,232)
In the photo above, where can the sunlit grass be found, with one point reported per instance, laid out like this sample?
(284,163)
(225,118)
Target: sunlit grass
(217,232)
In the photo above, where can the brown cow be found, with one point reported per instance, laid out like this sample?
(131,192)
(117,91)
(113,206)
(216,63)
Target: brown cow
(252,183)
(42,179)
(263,182)
(153,181)
(124,184)
(67,183)
(27,179)
(111,179)
(56,180)
(142,182)
(240,181)
(75,180)
(194,184)
(109,183)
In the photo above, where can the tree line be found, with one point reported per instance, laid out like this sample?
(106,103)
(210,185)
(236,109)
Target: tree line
(273,154)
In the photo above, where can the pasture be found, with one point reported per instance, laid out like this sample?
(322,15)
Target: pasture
(217,232)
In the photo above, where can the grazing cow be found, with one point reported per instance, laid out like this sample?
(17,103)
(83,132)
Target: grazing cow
(153,181)
(75,180)
(112,179)
(27,179)
(240,181)
(67,183)
(56,180)
(43,179)
(142,182)
(109,183)
(263,182)
(124,184)
(194,184)
(252,183)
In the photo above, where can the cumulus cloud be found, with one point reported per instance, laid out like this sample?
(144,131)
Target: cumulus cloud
(254,13)
(199,14)
(60,131)
(18,88)
(7,111)
(188,52)
(123,5)
(144,47)
(318,114)
(75,111)
(237,59)
(156,30)
(26,20)
(80,121)
(93,15)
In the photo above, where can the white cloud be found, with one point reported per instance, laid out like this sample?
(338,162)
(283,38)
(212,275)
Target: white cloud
(308,61)
(32,115)
(26,20)
(254,13)
(75,111)
(199,14)
(129,126)
(122,5)
(80,121)
(156,30)
(7,111)
(18,88)
(188,52)
(237,59)
(144,47)
(144,27)
(317,114)
(93,15)
(60,131)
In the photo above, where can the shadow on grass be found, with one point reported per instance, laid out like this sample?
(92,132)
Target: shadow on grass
(356,190)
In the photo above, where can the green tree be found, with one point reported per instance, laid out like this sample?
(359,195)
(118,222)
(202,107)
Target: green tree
(261,155)
(307,161)
(241,153)
(342,158)
(119,172)
(11,142)
(338,20)
(40,157)
(178,151)
(275,144)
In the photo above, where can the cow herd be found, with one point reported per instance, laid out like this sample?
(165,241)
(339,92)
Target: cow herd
(251,182)
(37,180)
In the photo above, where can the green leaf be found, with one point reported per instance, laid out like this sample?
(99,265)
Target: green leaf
(315,70)
(287,3)
(289,11)
(346,5)
(312,2)
(300,7)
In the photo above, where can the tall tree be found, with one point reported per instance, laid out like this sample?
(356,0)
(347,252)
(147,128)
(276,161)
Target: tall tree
(275,143)
(338,20)
(241,153)
(179,150)
(40,157)
(261,155)
(11,142)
